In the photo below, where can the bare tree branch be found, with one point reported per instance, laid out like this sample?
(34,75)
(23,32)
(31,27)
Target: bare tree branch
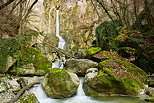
(6,4)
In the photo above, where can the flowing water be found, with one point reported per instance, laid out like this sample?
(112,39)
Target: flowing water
(80,96)
(62,42)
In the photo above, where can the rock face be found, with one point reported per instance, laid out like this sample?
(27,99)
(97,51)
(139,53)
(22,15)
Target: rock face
(60,83)
(78,20)
(79,66)
(116,77)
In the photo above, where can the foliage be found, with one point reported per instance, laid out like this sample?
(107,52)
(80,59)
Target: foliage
(129,44)
(20,48)
(8,47)
(105,30)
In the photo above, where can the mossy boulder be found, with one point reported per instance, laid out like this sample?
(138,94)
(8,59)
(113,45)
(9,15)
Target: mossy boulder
(103,55)
(91,51)
(116,77)
(59,83)
(79,66)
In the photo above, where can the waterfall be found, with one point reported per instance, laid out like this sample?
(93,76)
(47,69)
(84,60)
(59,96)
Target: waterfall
(80,91)
(62,42)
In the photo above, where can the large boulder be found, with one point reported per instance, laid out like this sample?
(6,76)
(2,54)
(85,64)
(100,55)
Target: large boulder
(116,77)
(79,66)
(59,83)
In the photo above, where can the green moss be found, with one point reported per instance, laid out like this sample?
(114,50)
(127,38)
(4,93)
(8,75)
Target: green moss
(130,77)
(30,98)
(31,55)
(7,48)
(59,83)
(91,51)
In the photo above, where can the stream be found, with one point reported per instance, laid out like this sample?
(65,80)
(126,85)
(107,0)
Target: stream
(80,96)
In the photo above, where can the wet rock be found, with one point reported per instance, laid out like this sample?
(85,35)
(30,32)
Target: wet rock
(116,77)
(58,83)
(79,66)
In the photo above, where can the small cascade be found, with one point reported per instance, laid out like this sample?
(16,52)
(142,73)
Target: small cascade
(41,96)
(80,91)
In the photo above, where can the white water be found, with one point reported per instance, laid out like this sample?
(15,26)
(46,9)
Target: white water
(61,43)
(80,97)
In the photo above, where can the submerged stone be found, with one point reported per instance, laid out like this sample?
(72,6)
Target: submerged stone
(59,83)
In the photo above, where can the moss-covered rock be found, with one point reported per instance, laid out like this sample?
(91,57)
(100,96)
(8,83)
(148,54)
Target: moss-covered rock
(31,62)
(58,83)
(102,55)
(29,98)
(116,77)
(91,51)
(79,66)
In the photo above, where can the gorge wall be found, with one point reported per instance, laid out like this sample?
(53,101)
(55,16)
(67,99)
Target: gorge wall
(78,20)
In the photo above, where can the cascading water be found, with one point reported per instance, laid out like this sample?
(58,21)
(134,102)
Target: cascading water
(61,44)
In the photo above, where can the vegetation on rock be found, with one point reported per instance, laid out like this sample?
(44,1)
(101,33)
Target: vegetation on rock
(59,84)
(116,77)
